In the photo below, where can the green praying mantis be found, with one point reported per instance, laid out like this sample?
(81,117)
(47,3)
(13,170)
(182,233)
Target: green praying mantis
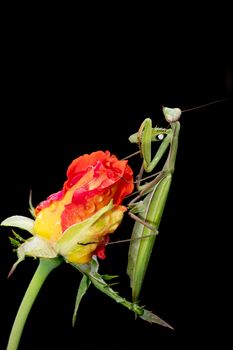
(154,193)
(150,202)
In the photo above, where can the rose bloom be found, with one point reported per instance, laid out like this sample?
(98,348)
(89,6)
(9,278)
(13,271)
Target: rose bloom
(94,181)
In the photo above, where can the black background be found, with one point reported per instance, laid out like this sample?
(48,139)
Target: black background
(49,117)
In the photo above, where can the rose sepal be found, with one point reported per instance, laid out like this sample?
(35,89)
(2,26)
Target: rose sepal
(78,233)
(19,221)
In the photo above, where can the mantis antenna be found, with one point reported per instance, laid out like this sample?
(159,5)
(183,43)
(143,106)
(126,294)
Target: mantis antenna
(205,105)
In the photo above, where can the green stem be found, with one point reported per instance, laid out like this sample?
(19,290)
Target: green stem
(90,270)
(43,270)
(100,284)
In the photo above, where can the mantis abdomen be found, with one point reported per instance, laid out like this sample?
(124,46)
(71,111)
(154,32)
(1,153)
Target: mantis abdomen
(140,249)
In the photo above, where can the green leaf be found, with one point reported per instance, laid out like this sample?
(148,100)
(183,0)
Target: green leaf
(14,242)
(31,208)
(109,277)
(17,241)
(19,221)
(152,318)
(91,271)
(18,237)
(83,287)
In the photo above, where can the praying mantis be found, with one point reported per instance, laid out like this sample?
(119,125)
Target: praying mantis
(154,193)
(150,202)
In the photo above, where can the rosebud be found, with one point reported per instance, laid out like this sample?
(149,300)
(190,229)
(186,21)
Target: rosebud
(76,221)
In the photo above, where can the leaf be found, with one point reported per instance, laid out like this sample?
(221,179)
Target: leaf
(152,318)
(31,208)
(19,221)
(83,287)
(17,241)
(14,242)
(91,271)
(109,277)
(18,237)
(14,266)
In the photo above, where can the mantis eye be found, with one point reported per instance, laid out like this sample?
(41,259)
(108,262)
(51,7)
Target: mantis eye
(159,137)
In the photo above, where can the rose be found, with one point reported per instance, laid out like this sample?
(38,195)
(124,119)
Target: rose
(96,184)
(76,222)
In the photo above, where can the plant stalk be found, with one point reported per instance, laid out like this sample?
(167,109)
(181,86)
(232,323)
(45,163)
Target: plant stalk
(40,275)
